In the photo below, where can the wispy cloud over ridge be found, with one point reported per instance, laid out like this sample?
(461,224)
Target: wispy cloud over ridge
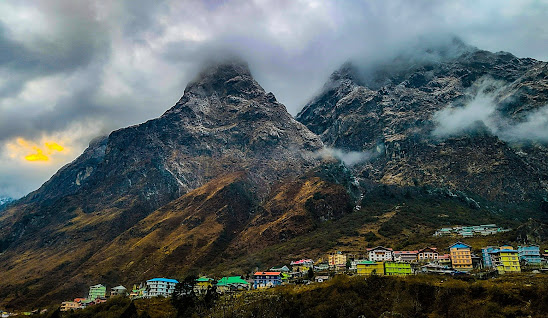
(483,109)
(68,64)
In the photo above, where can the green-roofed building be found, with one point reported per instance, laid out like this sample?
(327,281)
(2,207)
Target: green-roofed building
(202,284)
(370,268)
(232,283)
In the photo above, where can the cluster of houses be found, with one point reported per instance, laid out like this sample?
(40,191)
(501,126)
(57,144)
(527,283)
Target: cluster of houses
(154,287)
(470,231)
(460,259)
(376,261)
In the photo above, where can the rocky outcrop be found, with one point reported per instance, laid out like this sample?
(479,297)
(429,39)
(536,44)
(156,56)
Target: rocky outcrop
(390,109)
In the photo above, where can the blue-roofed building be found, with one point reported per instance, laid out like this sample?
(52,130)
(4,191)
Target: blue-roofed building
(486,254)
(160,287)
(461,257)
(530,255)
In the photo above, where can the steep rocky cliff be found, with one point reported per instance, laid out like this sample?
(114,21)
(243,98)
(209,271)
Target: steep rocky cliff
(394,110)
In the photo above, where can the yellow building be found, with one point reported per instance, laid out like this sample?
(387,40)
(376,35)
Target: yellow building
(508,260)
(461,257)
(337,260)
(202,284)
(69,305)
(370,268)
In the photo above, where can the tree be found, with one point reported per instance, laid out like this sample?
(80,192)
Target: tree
(310,273)
(130,312)
(207,300)
(184,298)
(56,313)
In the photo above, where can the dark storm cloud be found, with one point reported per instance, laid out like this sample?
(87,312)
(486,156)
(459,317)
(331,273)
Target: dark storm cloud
(73,41)
(103,65)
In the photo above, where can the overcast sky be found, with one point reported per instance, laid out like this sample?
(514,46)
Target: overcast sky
(72,70)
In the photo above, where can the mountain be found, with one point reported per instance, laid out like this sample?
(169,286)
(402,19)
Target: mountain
(4,201)
(406,110)
(226,181)
(225,124)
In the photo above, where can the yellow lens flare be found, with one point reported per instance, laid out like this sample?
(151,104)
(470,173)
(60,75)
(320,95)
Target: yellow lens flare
(33,152)
(38,156)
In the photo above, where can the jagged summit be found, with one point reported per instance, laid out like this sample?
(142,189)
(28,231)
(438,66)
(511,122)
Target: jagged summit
(348,71)
(223,89)
(231,77)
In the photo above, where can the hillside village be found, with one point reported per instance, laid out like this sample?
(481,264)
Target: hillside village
(459,261)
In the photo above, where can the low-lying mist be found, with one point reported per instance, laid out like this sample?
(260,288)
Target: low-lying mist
(483,107)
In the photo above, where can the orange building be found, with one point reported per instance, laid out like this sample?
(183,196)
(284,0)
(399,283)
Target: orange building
(461,257)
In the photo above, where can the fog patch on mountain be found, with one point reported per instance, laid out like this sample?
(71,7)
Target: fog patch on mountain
(481,109)
(533,128)
(349,158)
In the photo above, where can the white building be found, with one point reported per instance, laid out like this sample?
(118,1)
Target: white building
(428,254)
(380,254)
(160,287)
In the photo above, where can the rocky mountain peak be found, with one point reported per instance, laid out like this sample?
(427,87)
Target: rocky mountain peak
(227,78)
(347,71)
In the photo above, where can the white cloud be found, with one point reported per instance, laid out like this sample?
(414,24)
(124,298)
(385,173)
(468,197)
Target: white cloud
(482,107)
(349,158)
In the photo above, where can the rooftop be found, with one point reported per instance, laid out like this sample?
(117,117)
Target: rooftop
(459,245)
(166,280)
(231,280)
(267,274)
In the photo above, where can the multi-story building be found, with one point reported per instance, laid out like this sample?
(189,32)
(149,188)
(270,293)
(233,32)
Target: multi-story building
(97,291)
(69,305)
(380,254)
(397,268)
(461,257)
(508,260)
(486,255)
(336,260)
(530,255)
(266,279)
(160,287)
(444,260)
(302,265)
(405,256)
(370,268)
(428,254)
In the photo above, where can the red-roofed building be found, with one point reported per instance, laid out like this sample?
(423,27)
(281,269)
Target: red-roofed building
(266,279)
(428,254)
(444,259)
(380,254)
(405,256)
(302,265)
